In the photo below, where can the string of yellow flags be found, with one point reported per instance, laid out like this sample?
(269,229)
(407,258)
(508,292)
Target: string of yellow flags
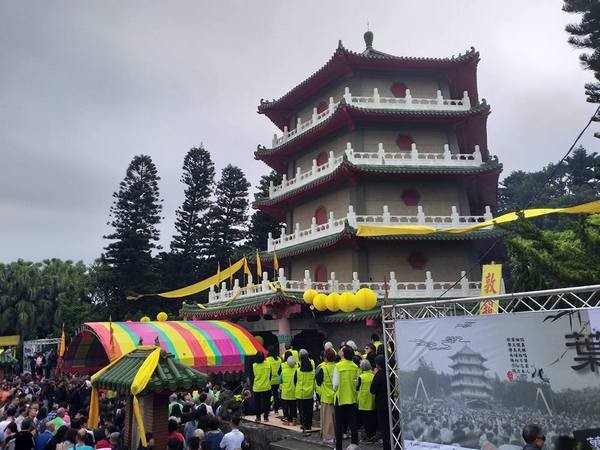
(200,286)
(385,230)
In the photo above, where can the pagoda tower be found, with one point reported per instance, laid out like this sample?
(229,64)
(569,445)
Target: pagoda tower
(370,139)
(468,380)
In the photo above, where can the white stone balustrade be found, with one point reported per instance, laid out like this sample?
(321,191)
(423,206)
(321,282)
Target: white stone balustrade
(392,159)
(428,288)
(438,103)
(335,225)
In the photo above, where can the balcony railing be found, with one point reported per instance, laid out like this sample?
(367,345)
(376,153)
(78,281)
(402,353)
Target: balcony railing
(429,288)
(409,103)
(379,158)
(335,225)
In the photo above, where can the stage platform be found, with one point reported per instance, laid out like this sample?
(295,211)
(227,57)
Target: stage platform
(273,435)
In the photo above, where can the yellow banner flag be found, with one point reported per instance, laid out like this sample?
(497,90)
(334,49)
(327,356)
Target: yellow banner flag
(246,268)
(199,286)
(491,284)
(275,264)
(258,267)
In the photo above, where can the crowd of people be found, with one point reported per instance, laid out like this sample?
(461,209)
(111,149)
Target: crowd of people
(483,428)
(43,411)
(39,413)
(347,387)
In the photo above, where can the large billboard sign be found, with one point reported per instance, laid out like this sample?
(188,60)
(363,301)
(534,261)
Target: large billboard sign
(475,381)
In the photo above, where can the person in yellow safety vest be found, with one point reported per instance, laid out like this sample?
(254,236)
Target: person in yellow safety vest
(366,401)
(344,382)
(288,390)
(375,341)
(324,381)
(275,364)
(261,386)
(288,348)
(304,379)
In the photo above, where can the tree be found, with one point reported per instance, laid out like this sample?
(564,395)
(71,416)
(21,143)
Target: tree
(37,298)
(135,215)
(229,213)
(576,181)
(190,240)
(261,224)
(586,35)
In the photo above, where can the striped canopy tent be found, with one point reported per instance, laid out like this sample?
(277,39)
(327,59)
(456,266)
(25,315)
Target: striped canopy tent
(210,346)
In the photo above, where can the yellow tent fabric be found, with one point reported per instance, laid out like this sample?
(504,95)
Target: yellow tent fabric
(199,286)
(10,341)
(374,230)
(138,384)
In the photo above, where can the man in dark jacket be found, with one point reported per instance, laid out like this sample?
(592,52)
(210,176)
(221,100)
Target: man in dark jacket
(380,390)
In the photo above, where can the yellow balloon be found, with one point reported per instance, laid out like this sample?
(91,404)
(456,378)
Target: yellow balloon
(366,299)
(162,316)
(145,319)
(333,302)
(347,302)
(309,296)
(319,302)
(260,339)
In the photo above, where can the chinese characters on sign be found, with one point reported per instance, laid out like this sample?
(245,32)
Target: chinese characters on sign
(491,284)
(587,347)
(517,355)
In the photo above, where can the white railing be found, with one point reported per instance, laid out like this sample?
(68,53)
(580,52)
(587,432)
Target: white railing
(428,288)
(335,225)
(438,103)
(392,159)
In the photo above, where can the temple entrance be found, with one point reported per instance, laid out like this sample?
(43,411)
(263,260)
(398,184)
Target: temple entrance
(311,340)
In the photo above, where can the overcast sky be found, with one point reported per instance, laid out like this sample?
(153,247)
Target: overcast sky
(85,86)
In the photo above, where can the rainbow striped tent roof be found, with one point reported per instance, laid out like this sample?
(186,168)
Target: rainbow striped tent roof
(209,346)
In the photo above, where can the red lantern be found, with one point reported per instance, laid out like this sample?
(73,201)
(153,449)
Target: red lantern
(510,375)
(410,197)
(398,89)
(417,260)
(404,142)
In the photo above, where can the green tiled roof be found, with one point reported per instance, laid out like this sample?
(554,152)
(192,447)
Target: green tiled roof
(243,305)
(344,108)
(170,375)
(350,232)
(487,166)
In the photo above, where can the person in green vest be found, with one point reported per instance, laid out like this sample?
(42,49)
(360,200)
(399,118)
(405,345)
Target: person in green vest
(304,380)
(366,401)
(324,382)
(275,364)
(288,390)
(375,341)
(261,386)
(288,348)
(345,376)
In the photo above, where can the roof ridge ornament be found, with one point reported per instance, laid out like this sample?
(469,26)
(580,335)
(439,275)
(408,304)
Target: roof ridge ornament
(368,37)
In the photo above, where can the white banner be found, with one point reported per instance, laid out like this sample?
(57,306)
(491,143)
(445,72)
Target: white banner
(475,381)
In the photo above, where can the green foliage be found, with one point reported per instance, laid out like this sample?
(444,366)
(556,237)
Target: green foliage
(190,240)
(576,181)
(135,215)
(586,35)
(37,298)
(262,224)
(229,214)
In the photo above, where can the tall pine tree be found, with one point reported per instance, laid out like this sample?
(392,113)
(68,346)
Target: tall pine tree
(262,224)
(135,215)
(229,214)
(190,240)
(586,35)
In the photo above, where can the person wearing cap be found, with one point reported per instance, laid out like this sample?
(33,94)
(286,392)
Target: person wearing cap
(288,390)
(366,400)
(261,386)
(344,382)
